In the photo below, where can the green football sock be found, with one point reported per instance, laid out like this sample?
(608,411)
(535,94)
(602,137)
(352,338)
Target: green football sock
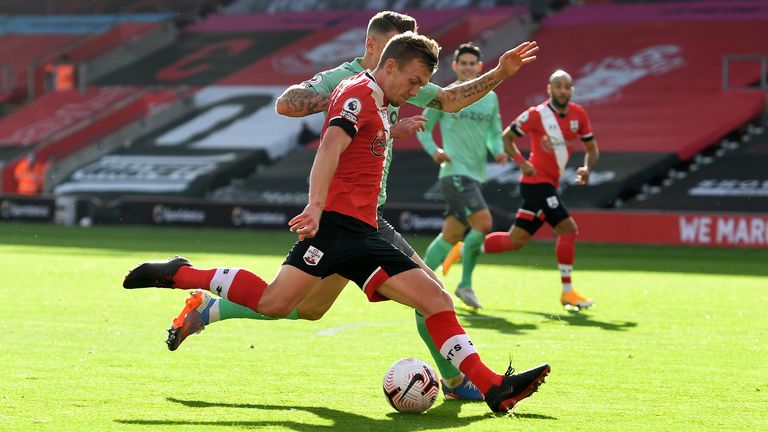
(447,370)
(471,252)
(436,252)
(229,310)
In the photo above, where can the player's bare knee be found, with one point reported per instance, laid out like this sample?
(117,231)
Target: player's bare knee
(437,303)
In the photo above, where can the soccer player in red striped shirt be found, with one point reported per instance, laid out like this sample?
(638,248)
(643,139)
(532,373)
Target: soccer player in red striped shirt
(554,127)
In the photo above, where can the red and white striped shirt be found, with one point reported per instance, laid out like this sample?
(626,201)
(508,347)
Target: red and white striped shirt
(553,136)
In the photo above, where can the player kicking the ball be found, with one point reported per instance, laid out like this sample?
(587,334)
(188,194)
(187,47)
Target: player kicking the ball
(312,96)
(337,229)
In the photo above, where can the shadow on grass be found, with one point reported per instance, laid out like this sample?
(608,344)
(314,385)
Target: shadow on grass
(444,416)
(476,320)
(583,319)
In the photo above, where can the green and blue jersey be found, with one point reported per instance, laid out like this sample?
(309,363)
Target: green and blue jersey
(467,136)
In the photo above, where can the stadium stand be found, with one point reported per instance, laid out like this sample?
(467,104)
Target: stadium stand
(333,37)
(183,9)
(654,96)
(200,150)
(649,73)
(732,178)
(62,123)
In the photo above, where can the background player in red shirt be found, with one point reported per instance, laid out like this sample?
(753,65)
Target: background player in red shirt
(554,127)
(337,229)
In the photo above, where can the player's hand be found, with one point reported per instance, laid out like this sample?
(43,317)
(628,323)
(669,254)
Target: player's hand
(582,176)
(511,61)
(528,169)
(501,158)
(307,223)
(440,156)
(408,126)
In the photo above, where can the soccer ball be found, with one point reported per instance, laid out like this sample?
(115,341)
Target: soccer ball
(411,385)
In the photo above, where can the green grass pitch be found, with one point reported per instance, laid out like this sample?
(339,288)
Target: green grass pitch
(676,342)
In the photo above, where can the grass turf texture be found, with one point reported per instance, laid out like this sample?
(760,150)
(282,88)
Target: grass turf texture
(677,341)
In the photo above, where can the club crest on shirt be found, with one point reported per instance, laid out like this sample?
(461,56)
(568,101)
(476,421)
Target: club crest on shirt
(313,256)
(574,125)
(379,144)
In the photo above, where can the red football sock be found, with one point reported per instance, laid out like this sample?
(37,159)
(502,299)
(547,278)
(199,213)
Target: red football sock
(455,346)
(191,278)
(496,242)
(565,251)
(246,289)
(234,284)
(565,248)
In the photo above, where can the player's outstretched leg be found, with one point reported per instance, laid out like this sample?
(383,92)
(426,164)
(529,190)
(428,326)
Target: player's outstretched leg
(237,285)
(502,392)
(192,319)
(202,309)
(515,387)
(462,387)
(155,273)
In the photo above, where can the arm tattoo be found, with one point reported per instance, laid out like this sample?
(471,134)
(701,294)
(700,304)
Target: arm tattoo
(464,94)
(436,103)
(303,102)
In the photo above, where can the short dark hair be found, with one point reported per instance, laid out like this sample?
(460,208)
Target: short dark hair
(409,46)
(387,21)
(467,48)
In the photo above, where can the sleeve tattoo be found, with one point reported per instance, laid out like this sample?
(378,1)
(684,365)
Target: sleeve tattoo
(306,102)
(464,94)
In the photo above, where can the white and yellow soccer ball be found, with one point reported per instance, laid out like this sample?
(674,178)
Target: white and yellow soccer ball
(411,385)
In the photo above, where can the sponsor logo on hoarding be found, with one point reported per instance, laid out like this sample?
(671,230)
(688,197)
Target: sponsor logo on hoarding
(731,231)
(166,215)
(12,210)
(410,221)
(244,217)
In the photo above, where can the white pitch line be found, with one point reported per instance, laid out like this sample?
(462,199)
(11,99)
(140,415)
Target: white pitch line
(334,330)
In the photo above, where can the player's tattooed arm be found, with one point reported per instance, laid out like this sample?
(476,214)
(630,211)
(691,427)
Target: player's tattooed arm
(467,93)
(298,101)
(457,97)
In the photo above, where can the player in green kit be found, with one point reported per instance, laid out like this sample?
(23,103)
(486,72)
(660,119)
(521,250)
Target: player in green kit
(467,137)
(311,97)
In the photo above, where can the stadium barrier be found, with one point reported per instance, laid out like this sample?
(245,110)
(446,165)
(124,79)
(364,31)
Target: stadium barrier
(740,230)
(27,209)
